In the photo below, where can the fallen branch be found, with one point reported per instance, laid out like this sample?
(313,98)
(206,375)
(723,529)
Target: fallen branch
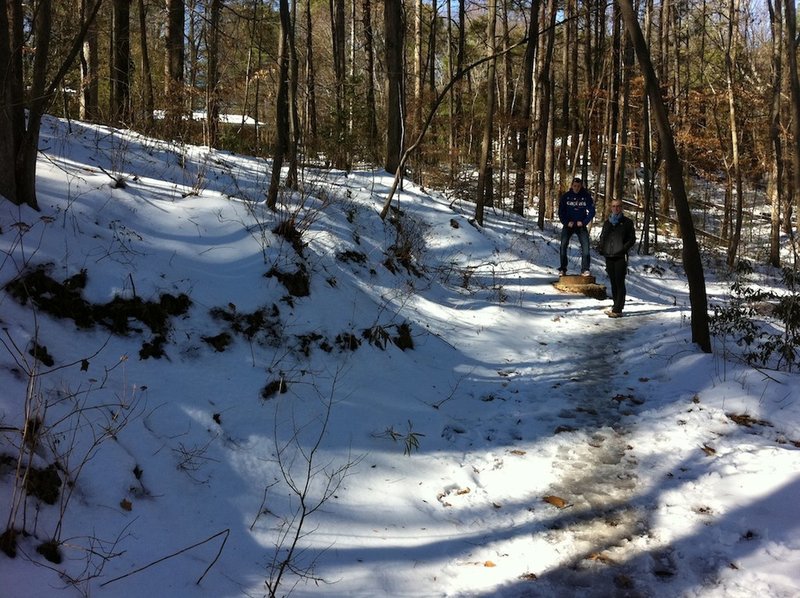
(225,532)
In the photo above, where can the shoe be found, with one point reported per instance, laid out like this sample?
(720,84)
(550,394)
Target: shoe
(562,272)
(614,314)
(586,273)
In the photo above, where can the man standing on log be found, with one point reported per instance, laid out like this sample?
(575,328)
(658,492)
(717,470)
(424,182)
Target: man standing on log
(575,210)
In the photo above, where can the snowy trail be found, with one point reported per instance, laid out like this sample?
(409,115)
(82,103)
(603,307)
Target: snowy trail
(596,474)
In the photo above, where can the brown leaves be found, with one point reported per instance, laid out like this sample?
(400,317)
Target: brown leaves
(442,496)
(746,420)
(556,501)
(601,558)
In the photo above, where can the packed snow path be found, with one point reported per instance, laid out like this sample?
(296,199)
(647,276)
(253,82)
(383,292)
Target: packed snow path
(597,475)
(581,491)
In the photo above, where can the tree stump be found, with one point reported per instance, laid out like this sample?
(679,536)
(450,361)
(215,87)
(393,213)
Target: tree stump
(583,285)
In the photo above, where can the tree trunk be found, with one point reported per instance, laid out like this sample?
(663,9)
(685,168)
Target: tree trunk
(393,31)
(776,24)
(505,103)
(89,100)
(730,65)
(212,76)
(484,197)
(543,112)
(8,121)
(663,75)
(790,20)
(456,63)
(173,65)
(522,117)
(193,38)
(648,219)
(432,59)
(121,62)
(419,72)
(294,84)
(147,78)
(311,82)
(651,159)
(612,143)
(28,150)
(281,107)
(622,154)
(340,149)
(691,253)
(19,142)
(369,51)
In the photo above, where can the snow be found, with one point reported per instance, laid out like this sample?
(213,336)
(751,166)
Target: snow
(527,445)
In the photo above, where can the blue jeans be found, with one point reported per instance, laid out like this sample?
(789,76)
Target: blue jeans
(583,237)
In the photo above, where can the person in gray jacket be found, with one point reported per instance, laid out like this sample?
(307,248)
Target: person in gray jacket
(616,239)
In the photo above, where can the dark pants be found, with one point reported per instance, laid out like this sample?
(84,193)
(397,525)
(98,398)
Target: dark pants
(583,237)
(617,268)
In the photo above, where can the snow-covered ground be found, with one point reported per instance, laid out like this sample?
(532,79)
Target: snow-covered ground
(526,445)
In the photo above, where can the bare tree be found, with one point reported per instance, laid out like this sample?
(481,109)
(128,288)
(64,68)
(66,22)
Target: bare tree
(691,253)
(121,62)
(455,64)
(544,109)
(212,77)
(393,32)
(147,78)
(251,74)
(419,68)
(369,52)
(20,122)
(732,45)
(340,150)
(612,111)
(174,63)
(294,116)
(522,112)
(311,85)
(485,169)
(89,98)
(790,20)
(281,107)
(776,179)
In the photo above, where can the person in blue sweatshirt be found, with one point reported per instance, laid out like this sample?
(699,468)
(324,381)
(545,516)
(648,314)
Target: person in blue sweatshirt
(576,211)
(616,239)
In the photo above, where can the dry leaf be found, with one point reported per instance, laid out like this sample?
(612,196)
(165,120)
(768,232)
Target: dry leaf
(709,450)
(489,564)
(556,501)
(601,558)
(463,491)
(517,452)
(747,420)
(126,505)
